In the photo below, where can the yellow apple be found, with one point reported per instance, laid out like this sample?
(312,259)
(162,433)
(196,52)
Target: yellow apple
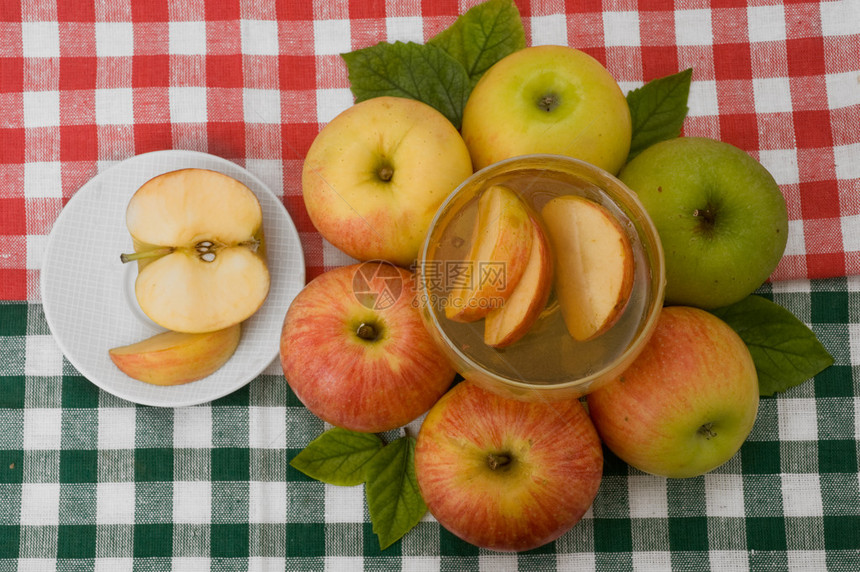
(376,174)
(198,240)
(504,326)
(498,255)
(173,358)
(594,264)
(548,99)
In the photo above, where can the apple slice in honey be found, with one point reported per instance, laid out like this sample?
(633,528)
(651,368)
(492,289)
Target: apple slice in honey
(504,326)
(498,255)
(594,264)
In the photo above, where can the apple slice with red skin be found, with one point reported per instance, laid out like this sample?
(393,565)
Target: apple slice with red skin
(501,242)
(504,326)
(594,264)
(174,358)
(505,474)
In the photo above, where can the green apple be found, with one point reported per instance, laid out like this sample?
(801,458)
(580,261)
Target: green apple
(720,215)
(548,99)
(375,175)
(688,401)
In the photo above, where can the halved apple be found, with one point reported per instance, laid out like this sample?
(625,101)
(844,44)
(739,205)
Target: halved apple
(173,358)
(594,264)
(504,326)
(498,255)
(198,237)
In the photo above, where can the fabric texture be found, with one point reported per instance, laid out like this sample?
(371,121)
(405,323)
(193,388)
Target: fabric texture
(91,482)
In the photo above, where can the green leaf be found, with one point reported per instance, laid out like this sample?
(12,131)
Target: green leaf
(658,110)
(393,499)
(785,351)
(338,456)
(424,72)
(482,36)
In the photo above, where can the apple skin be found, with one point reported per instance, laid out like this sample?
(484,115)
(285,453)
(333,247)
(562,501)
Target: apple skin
(174,358)
(720,215)
(554,467)
(591,121)
(686,404)
(368,384)
(375,175)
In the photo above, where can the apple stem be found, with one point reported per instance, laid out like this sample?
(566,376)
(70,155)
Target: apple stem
(367,332)
(707,216)
(386,173)
(154,253)
(496,462)
(548,102)
(706,431)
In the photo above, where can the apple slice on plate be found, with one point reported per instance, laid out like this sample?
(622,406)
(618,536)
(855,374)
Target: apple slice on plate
(498,255)
(594,258)
(504,326)
(173,358)
(198,240)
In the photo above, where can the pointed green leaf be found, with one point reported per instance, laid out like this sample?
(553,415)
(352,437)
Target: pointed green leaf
(338,456)
(658,110)
(482,36)
(393,499)
(785,351)
(424,72)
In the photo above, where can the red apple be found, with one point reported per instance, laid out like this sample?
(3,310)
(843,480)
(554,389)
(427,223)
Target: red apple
(505,474)
(356,353)
(686,404)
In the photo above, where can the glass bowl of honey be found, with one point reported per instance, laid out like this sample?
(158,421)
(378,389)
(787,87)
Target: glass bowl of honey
(551,359)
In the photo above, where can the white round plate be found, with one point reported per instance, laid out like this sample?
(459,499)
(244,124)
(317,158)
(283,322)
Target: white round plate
(88,294)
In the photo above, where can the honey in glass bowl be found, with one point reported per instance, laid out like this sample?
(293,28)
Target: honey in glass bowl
(547,362)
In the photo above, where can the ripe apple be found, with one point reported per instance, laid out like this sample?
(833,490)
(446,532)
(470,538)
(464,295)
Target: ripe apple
(720,215)
(548,99)
(505,474)
(594,275)
(356,353)
(686,404)
(498,255)
(173,358)
(375,175)
(504,326)
(198,240)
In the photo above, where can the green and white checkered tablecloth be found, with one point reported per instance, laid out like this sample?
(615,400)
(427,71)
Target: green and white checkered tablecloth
(91,482)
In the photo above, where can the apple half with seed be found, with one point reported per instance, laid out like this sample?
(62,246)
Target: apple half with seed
(174,358)
(504,326)
(594,264)
(498,255)
(198,240)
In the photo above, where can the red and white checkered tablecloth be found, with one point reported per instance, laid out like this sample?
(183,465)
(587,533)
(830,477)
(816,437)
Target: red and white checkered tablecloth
(84,85)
